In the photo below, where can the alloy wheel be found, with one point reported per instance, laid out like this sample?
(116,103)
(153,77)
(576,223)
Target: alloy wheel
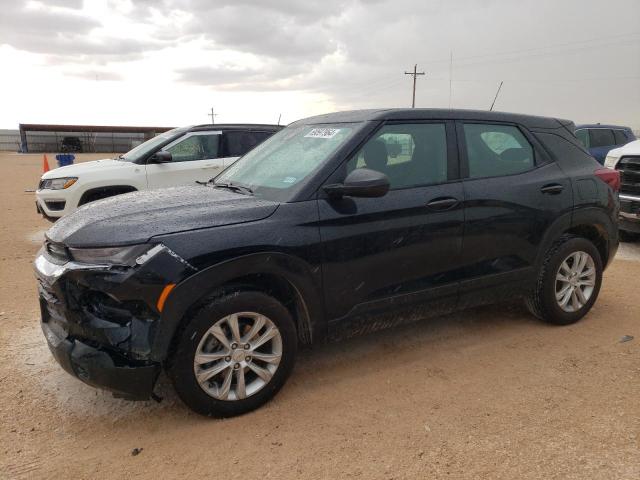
(575,281)
(238,356)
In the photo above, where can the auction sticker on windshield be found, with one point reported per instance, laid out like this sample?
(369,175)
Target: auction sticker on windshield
(322,133)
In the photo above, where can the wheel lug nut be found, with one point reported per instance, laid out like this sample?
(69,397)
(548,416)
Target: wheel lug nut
(227,359)
(247,346)
(247,359)
(234,346)
(236,366)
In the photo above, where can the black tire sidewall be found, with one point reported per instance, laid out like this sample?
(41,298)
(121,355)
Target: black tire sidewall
(181,370)
(555,314)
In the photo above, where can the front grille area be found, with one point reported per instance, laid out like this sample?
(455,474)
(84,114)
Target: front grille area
(75,311)
(55,205)
(629,168)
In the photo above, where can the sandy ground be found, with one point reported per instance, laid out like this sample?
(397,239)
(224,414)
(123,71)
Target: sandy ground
(489,393)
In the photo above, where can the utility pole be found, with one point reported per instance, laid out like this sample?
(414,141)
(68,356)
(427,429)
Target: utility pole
(415,74)
(496,97)
(279,117)
(450,77)
(213,116)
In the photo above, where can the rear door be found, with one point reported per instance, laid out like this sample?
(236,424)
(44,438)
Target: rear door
(512,194)
(195,157)
(395,252)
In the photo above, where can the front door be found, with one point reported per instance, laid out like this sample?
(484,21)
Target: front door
(195,157)
(393,253)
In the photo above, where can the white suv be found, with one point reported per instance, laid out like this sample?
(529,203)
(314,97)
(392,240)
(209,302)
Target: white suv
(180,156)
(626,160)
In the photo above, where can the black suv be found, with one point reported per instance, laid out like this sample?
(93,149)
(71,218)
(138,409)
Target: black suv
(339,224)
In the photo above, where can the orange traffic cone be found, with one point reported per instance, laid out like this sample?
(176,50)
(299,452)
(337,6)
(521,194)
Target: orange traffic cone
(45,164)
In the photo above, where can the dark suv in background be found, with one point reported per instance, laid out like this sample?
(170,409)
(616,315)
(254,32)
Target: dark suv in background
(337,225)
(599,139)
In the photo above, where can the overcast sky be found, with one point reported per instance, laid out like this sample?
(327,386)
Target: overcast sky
(167,62)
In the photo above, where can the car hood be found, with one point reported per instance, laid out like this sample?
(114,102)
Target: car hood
(138,216)
(631,148)
(78,169)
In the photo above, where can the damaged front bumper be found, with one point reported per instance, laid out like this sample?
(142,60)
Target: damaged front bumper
(101,368)
(100,320)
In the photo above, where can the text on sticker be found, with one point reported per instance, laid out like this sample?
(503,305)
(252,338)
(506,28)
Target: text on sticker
(322,133)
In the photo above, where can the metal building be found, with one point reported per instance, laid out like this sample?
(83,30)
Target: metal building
(36,138)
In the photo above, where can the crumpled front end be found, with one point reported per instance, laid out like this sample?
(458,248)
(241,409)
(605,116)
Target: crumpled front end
(100,320)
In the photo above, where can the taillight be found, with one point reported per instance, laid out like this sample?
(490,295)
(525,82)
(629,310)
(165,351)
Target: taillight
(610,177)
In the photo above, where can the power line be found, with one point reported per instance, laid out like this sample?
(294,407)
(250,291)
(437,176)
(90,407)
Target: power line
(414,74)
(608,41)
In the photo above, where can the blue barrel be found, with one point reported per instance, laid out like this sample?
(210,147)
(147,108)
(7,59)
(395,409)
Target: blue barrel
(65,159)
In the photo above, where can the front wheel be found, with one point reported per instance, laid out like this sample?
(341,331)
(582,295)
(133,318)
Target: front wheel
(234,354)
(568,282)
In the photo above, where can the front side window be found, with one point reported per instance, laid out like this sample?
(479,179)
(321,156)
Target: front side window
(195,147)
(494,150)
(146,148)
(601,137)
(278,165)
(409,154)
(583,136)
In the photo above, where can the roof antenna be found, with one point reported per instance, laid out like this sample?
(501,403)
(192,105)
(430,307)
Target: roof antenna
(496,97)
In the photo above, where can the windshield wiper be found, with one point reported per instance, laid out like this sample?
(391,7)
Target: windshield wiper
(234,187)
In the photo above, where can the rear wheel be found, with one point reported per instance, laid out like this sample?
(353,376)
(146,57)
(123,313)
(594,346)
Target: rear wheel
(568,283)
(234,354)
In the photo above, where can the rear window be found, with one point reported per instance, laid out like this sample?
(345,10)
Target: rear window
(240,142)
(601,137)
(620,137)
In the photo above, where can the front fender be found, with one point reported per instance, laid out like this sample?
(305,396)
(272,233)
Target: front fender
(304,278)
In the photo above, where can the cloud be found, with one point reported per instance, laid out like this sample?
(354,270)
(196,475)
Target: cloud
(74,4)
(97,75)
(351,52)
(65,33)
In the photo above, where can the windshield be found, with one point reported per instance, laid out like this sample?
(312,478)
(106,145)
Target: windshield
(149,146)
(276,167)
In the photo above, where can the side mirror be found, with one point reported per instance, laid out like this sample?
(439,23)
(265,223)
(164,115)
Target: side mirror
(362,182)
(161,157)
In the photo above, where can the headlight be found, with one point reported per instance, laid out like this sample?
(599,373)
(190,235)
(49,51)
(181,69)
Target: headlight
(125,256)
(610,161)
(57,183)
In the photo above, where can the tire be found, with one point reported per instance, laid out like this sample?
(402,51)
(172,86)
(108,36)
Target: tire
(225,394)
(543,303)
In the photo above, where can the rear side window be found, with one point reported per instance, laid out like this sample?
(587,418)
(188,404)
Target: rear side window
(409,155)
(620,137)
(494,150)
(601,137)
(239,143)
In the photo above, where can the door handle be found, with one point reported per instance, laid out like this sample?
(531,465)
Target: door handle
(441,204)
(552,189)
